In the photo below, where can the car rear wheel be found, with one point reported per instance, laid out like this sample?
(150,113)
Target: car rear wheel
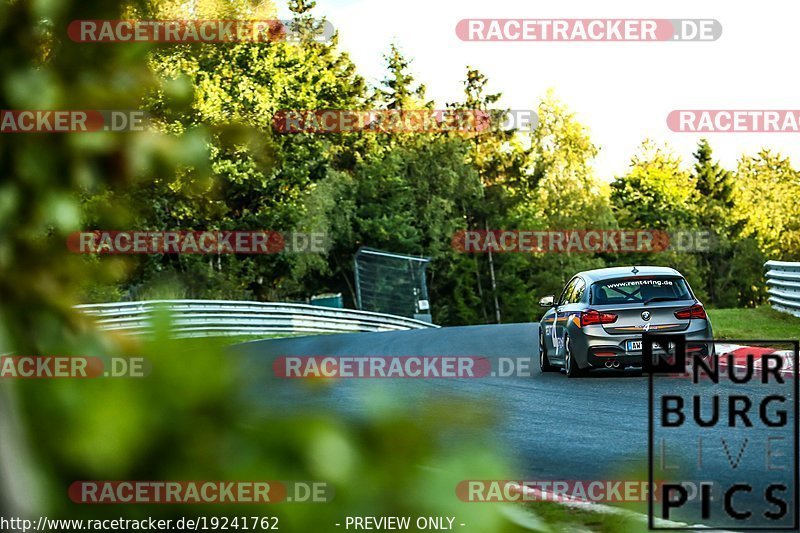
(570,366)
(544,361)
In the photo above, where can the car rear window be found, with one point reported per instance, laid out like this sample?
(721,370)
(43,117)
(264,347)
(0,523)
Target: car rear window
(639,290)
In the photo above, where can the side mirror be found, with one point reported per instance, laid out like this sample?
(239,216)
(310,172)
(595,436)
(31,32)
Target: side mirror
(548,301)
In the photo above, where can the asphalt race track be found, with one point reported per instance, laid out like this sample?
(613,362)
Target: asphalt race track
(590,428)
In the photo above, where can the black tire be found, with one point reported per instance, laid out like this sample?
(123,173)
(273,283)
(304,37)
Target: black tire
(570,367)
(544,361)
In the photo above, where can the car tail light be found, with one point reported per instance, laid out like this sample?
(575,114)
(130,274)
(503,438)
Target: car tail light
(592,316)
(695,311)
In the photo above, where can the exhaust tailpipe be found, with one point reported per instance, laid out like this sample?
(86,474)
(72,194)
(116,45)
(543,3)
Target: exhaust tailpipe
(608,364)
(616,364)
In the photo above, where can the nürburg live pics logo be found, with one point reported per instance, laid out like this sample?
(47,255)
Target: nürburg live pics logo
(723,451)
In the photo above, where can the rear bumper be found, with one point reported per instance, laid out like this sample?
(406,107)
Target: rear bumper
(595,347)
(597,356)
(624,359)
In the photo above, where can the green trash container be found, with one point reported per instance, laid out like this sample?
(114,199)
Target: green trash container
(328,300)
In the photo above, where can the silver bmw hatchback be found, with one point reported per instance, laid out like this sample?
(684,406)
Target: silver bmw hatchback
(599,318)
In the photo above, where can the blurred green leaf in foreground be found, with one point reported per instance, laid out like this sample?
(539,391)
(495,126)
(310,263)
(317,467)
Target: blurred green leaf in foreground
(190,419)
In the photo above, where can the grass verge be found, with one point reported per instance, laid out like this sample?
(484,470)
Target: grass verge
(758,323)
(560,518)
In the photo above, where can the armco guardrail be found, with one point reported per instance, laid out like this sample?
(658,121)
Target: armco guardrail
(209,318)
(783,281)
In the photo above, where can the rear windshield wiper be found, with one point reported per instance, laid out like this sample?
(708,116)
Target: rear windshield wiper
(662,299)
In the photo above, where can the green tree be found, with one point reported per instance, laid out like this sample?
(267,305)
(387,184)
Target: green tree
(405,194)
(398,91)
(260,177)
(766,200)
(715,185)
(498,158)
(730,274)
(658,194)
(557,190)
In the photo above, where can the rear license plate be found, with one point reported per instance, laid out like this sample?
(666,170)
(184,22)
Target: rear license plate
(633,346)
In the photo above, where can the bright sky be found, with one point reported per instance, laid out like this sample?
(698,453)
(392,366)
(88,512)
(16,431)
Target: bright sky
(621,91)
